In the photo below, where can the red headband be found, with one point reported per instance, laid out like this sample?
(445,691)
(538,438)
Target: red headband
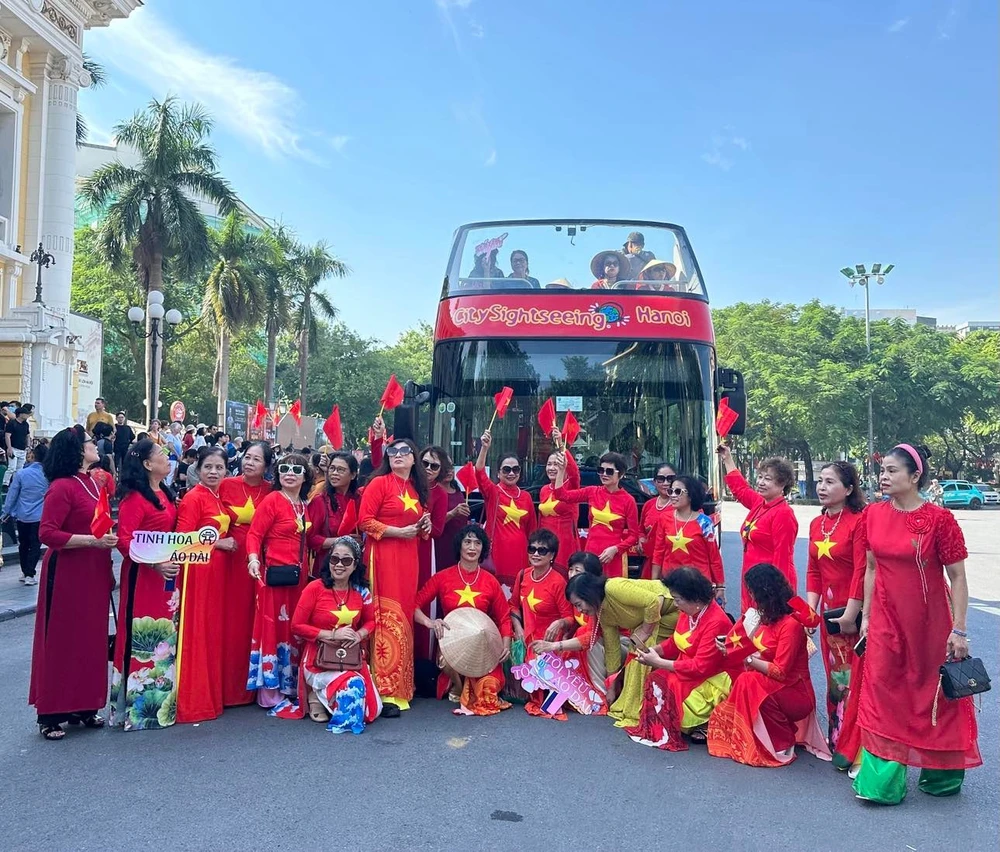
(913,454)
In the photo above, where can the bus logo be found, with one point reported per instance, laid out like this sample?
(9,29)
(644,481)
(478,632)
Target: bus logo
(612,313)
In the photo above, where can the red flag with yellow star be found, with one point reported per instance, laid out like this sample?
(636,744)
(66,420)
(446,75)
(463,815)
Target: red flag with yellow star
(296,411)
(467,477)
(392,396)
(502,400)
(259,413)
(726,418)
(333,430)
(571,429)
(101,523)
(737,641)
(547,417)
(803,613)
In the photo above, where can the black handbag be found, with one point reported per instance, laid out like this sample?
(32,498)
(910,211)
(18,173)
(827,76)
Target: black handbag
(287,575)
(962,678)
(830,614)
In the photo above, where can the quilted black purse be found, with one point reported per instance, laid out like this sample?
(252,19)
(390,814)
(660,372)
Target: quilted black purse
(962,678)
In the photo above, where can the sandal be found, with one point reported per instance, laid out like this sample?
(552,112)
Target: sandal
(317,712)
(699,734)
(51,732)
(92,721)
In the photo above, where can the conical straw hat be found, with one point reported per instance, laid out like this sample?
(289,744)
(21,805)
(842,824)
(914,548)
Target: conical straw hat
(471,645)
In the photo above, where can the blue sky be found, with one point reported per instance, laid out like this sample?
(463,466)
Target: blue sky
(788,138)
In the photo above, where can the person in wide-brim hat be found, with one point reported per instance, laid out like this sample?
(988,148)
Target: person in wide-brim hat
(656,274)
(559,284)
(598,268)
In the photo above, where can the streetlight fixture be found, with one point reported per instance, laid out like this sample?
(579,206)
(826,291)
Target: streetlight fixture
(40,257)
(156,334)
(859,276)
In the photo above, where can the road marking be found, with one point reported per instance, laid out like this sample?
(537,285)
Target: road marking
(992,610)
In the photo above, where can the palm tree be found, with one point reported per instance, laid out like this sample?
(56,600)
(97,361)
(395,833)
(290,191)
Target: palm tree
(313,264)
(234,291)
(98,79)
(151,217)
(278,286)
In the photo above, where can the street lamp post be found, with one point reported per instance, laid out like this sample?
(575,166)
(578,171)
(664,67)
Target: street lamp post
(40,257)
(157,335)
(858,275)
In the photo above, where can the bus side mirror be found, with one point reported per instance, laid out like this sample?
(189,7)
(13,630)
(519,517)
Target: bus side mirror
(730,385)
(406,417)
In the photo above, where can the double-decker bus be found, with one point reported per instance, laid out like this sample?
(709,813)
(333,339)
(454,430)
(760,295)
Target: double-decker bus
(539,306)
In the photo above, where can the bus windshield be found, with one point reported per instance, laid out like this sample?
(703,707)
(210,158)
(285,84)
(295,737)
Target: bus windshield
(573,255)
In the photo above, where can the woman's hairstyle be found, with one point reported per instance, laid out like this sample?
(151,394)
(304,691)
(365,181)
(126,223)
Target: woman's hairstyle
(102,429)
(546,538)
(480,265)
(668,466)
(39,452)
(357,578)
(695,490)
(770,592)
(478,532)
(307,474)
(782,471)
(847,473)
(65,457)
(914,464)
(587,561)
(135,477)
(209,451)
(352,466)
(447,471)
(616,459)
(588,588)
(416,472)
(103,463)
(265,448)
(524,254)
(690,584)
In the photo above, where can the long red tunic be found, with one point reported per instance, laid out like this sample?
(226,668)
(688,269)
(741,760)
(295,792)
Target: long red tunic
(651,515)
(509,518)
(768,532)
(614,522)
(69,657)
(325,512)
(690,543)
(423,640)
(240,589)
(444,550)
(539,603)
(393,566)
(200,632)
(903,715)
(147,626)
(561,516)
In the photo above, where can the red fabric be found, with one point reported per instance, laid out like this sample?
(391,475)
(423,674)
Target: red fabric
(449,586)
(547,416)
(621,532)
(768,532)
(508,535)
(466,477)
(502,400)
(847,743)
(444,551)
(393,568)
(239,589)
(200,634)
(908,629)
(101,524)
(69,657)
(700,552)
(648,519)
(295,410)
(422,642)
(561,516)
(539,603)
(393,393)
(333,430)
(259,413)
(570,429)
(325,515)
(376,445)
(725,419)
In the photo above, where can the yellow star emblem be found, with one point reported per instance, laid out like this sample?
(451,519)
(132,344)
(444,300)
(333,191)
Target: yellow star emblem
(467,595)
(244,513)
(679,542)
(302,525)
(223,520)
(758,640)
(548,508)
(581,619)
(824,547)
(735,640)
(513,513)
(345,616)
(682,640)
(531,600)
(748,529)
(603,517)
(409,502)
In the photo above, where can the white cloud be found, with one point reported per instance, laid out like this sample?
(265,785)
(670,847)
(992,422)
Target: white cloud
(338,143)
(491,160)
(897,25)
(255,105)
(947,26)
(714,158)
(723,148)
(740,142)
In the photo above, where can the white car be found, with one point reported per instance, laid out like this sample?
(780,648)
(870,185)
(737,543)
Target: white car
(991,497)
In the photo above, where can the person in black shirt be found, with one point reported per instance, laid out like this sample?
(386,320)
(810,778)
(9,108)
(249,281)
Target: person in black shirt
(17,432)
(124,436)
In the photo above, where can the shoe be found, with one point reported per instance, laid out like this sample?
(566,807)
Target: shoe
(390,711)
(30,581)
(22,579)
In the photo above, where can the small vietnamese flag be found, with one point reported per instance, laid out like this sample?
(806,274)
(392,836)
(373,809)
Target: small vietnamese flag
(571,429)
(726,418)
(296,411)
(466,477)
(737,641)
(392,396)
(547,417)
(803,613)
(349,523)
(502,401)
(101,523)
(333,430)
(260,412)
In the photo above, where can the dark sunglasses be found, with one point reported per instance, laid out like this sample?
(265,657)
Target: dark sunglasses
(608,471)
(676,492)
(398,451)
(346,561)
(429,465)
(510,468)
(661,479)
(611,263)
(294,469)
(538,551)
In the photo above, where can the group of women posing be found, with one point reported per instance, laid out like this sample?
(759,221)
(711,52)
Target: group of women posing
(248,626)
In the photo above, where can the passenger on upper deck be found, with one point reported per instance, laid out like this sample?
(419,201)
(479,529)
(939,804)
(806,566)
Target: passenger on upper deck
(486,266)
(559,284)
(609,267)
(637,258)
(656,274)
(519,265)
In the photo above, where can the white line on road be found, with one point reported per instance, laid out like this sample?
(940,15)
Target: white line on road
(992,610)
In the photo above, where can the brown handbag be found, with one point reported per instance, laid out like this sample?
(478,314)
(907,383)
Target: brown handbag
(338,656)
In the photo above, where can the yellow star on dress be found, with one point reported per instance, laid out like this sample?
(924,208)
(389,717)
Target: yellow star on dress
(758,640)
(302,525)
(467,595)
(603,517)
(748,529)
(223,519)
(345,616)
(682,640)
(824,547)
(679,541)
(735,640)
(531,600)
(244,513)
(581,619)
(548,508)
(513,513)
(409,502)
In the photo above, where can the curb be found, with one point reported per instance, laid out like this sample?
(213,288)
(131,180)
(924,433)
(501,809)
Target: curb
(17,612)
(12,560)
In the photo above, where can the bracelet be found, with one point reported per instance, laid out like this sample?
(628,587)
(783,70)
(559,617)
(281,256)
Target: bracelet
(253,562)
(964,634)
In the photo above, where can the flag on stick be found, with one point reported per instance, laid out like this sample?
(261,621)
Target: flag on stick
(392,396)
(296,411)
(501,401)
(260,412)
(467,478)
(333,430)
(349,523)
(101,523)
(571,429)
(547,417)
(726,418)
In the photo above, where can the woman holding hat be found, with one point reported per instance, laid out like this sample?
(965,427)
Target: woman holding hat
(467,584)
(913,620)
(656,274)
(609,268)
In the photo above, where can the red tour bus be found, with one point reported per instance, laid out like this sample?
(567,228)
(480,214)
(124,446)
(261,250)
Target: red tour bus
(610,318)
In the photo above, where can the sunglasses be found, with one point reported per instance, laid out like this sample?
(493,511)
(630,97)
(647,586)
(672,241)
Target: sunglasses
(676,492)
(431,466)
(510,468)
(398,451)
(293,469)
(661,479)
(608,471)
(346,561)
(538,551)
(610,263)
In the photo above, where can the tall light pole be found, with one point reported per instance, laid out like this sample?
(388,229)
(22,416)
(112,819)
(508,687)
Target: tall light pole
(858,275)
(40,257)
(157,313)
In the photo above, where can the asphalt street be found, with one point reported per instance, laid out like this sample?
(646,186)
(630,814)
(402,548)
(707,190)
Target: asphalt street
(432,781)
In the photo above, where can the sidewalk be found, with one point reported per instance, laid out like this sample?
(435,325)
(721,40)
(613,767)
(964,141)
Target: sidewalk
(16,599)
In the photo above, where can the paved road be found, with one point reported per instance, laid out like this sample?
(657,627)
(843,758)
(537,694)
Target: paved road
(434,781)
